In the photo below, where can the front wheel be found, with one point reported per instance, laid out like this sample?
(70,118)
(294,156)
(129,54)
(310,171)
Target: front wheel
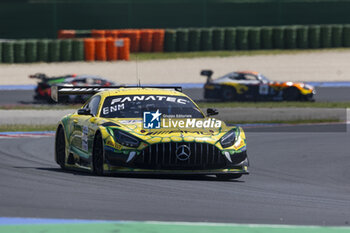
(228,176)
(98,156)
(291,94)
(60,148)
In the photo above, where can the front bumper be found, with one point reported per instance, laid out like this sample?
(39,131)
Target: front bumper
(207,160)
(309,97)
(122,170)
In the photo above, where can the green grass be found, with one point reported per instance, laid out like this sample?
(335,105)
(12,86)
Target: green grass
(282,104)
(27,128)
(174,55)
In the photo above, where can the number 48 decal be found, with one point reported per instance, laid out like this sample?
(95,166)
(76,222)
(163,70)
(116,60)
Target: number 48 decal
(264,89)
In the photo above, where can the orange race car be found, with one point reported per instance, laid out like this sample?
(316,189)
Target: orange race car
(248,85)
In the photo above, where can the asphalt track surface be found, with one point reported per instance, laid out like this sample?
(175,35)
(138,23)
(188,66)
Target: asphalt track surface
(296,178)
(328,94)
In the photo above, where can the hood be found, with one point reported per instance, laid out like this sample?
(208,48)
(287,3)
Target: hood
(299,85)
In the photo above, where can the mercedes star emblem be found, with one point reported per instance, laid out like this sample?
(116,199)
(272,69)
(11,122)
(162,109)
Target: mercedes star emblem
(183,152)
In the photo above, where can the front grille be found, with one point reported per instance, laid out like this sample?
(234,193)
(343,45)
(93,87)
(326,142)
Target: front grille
(164,156)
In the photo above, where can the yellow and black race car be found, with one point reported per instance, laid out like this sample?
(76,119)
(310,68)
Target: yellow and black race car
(248,85)
(147,130)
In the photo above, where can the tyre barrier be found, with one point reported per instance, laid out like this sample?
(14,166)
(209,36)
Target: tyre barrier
(67,50)
(54,50)
(43,50)
(170,40)
(194,39)
(266,37)
(146,40)
(314,36)
(78,50)
(182,40)
(66,34)
(98,33)
(302,37)
(112,49)
(254,38)
(346,35)
(337,36)
(99,44)
(326,36)
(100,49)
(31,51)
(8,52)
(89,49)
(112,33)
(123,49)
(278,37)
(230,38)
(242,38)
(206,39)
(218,39)
(19,51)
(133,35)
(290,37)
(158,40)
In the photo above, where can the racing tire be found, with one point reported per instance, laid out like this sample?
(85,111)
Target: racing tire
(228,176)
(291,94)
(228,94)
(98,156)
(60,147)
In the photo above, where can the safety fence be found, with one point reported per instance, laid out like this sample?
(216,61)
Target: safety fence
(43,50)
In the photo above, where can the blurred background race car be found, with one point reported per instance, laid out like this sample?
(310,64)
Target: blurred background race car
(249,85)
(43,90)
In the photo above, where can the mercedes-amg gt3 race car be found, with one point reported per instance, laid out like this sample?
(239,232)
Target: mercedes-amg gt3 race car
(43,89)
(147,130)
(248,85)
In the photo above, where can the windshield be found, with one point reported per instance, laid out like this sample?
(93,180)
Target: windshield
(133,106)
(262,77)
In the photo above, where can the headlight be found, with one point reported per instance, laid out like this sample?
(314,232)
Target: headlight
(228,139)
(308,87)
(126,139)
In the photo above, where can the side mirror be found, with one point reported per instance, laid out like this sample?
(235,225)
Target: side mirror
(84,111)
(212,112)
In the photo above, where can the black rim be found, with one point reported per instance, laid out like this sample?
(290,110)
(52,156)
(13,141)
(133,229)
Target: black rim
(61,148)
(292,94)
(97,156)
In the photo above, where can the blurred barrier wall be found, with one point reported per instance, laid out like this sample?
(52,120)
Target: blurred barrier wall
(109,45)
(64,50)
(43,18)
